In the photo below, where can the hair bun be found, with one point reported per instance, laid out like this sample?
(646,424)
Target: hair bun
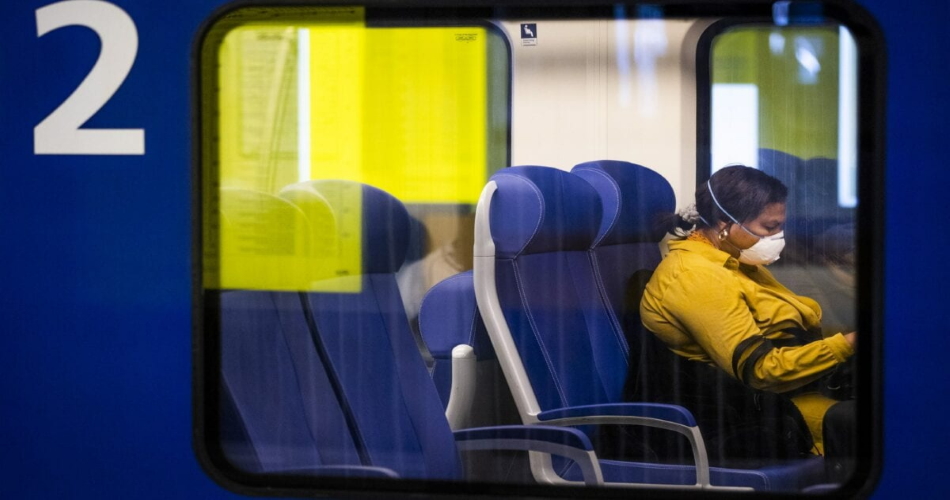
(688,218)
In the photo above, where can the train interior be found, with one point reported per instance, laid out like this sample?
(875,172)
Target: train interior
(418,238)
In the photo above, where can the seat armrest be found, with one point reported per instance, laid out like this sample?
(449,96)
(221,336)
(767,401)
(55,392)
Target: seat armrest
(462,391)
(669,413)
(670,417)
(566,442)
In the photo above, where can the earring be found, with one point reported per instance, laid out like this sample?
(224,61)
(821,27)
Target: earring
(723,234)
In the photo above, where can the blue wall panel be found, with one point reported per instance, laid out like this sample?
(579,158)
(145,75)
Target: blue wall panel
(916,270)
(95,351)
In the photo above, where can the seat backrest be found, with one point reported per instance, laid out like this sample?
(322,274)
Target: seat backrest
(361,329)
(626,249)
(263,243)
(823,226)
(624,255)
(541,222)
(781,165)
(276,415)
(275,390)
(813,214)
(330,374)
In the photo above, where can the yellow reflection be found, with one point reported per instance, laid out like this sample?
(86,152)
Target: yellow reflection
(402,109)
(296,241)
(257,96)
(264,242)
(335,212)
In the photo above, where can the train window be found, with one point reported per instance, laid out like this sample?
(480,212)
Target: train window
(385,306)
(812,67)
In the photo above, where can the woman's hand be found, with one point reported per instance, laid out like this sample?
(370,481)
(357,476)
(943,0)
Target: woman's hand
(852,338)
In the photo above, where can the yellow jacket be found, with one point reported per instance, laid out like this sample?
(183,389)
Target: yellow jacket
(708,307)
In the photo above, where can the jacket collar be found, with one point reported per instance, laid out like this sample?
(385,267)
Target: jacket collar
(708,251)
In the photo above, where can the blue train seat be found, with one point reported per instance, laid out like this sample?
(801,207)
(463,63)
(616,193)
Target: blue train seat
(274,389)
(332,382)
(626,249)
(364,333)
(273,418)
(819,230)
(781,165)
(562,355)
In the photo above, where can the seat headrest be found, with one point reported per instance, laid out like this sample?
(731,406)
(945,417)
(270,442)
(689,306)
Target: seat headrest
(542,209)
(449,316)
(382,219)
(781,165)
(632,196)
(816,190)
(319,214)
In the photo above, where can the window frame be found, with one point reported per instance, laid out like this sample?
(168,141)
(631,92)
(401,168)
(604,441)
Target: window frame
(869,224)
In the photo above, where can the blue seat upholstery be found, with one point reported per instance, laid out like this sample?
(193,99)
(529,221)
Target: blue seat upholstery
(781,165)
(366,337)
(542,222)
(627,243)
(332,382)
(275,382)
(558,343)
(626,251)
(825,227)
(818,228)
(273,417)
(449,318)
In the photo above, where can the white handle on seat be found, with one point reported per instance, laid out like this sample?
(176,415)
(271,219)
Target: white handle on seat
(463,386)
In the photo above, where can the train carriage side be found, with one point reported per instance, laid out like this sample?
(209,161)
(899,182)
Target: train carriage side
(254,250)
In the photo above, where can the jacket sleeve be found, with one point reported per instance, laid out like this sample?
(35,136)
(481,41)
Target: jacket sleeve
(713,308)
(785,368)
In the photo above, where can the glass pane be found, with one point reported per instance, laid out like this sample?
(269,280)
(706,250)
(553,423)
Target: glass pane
(784,101)
(418,222)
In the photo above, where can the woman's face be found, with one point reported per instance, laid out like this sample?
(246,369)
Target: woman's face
(769,222)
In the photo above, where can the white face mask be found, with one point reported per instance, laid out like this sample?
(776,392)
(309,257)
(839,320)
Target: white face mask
(765,251)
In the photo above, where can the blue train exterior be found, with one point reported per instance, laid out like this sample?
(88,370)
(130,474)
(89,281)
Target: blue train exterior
(96,365)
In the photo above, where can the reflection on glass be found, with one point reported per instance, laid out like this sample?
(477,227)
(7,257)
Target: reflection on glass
(402,109)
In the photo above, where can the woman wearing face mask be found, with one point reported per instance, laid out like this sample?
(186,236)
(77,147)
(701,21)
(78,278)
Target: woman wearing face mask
(750,354)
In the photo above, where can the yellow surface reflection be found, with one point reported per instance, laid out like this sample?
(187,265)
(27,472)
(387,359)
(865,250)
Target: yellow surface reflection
(401,109)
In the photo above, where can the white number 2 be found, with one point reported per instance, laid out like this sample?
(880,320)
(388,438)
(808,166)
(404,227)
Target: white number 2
(60,132)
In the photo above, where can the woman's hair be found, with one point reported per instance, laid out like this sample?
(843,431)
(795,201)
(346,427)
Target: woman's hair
(742,191)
